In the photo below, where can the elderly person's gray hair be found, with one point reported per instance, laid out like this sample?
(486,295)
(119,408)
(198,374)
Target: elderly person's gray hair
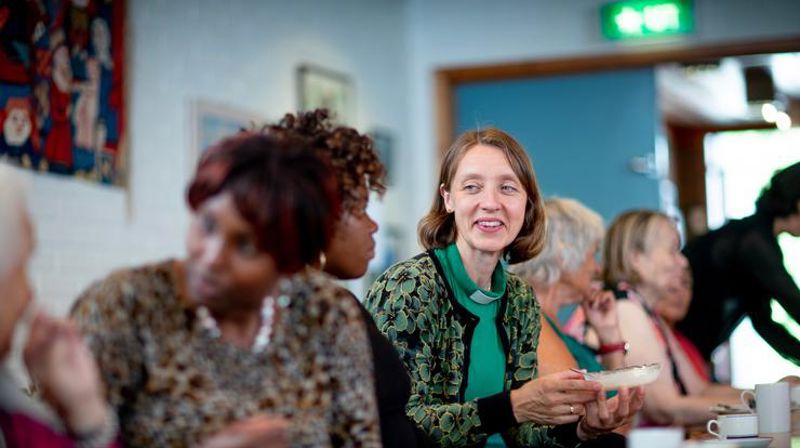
(572,229)
(12,206)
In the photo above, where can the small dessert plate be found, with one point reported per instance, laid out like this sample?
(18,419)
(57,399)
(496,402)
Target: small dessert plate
(625,377)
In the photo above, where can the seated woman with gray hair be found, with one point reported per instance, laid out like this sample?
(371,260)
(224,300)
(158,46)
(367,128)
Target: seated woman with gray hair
(76,413)
(564,274)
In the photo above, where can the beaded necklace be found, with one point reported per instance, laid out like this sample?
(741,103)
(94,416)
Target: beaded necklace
(264,334)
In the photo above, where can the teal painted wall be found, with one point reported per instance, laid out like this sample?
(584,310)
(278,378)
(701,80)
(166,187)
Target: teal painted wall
(580,131)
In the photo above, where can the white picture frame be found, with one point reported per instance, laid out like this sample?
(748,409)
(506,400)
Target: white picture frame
(213,121)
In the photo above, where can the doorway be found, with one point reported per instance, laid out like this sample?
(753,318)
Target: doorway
(735,175)
(686,181)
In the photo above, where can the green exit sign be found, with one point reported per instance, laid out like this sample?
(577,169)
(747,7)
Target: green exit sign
(646,18)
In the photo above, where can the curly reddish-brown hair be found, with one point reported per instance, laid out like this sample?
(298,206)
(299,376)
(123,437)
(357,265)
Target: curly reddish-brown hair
(281,188)
(352,155)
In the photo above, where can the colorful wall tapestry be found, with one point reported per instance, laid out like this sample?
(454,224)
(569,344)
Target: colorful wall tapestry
(62,104)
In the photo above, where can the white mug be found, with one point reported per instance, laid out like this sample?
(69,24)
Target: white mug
(670,437)
(772,407)
(734,426)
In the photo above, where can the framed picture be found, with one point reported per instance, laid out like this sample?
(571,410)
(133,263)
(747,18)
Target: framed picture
(322,88)
(211,122)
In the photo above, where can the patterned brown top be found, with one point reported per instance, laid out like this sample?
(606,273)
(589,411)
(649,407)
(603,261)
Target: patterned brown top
(174,384)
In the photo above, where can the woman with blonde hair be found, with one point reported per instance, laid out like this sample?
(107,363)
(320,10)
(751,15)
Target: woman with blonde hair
(643,263)
(467,330)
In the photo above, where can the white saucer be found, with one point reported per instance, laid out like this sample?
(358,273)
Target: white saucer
(625,377)
(747,442)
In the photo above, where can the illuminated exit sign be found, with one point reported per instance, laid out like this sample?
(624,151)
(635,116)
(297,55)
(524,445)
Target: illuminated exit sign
(646,18)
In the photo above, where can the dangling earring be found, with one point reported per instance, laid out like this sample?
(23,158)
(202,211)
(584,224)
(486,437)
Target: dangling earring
(322,260)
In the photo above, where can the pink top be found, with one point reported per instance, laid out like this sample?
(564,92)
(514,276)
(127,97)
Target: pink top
(20,430)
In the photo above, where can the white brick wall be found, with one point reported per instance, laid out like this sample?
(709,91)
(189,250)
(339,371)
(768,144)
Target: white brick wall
(240,53)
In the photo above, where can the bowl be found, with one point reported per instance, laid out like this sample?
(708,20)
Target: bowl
(626,376)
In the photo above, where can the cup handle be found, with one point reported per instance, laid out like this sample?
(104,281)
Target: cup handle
(709,425)
(745,401)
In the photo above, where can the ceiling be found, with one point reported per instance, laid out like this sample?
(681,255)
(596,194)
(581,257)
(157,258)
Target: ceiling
(713,93)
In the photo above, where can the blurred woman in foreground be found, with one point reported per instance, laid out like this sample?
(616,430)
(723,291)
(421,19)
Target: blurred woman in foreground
(55,355)
(228,347)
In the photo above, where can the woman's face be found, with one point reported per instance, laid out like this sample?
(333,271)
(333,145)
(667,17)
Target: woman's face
(225,269)
(15,290)
(582,279)
(353,245)
(661,263)
(487,199)
(674,304)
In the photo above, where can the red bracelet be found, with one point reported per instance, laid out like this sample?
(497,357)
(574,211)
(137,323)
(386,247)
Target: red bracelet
(615,347)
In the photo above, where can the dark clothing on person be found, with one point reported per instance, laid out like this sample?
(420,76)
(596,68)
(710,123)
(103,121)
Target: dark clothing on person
(393,388)
(737,269)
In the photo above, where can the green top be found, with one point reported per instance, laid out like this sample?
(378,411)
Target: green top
(487,366)
(486,370)
(584,355)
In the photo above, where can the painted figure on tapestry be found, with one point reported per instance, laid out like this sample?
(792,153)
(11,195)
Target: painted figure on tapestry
(18,141)
(58,148)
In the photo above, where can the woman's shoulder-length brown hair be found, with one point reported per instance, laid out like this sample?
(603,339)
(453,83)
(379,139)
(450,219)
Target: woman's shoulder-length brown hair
(438,229)
(630,232)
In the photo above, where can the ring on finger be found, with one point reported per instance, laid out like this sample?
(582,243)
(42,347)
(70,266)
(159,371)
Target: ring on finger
(571,409)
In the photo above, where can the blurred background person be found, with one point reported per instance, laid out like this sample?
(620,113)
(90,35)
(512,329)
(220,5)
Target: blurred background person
(467,330)
(738,269)
(227,347)
(643,262)
(566,272)
(65,372)
(693,370)
(359,172)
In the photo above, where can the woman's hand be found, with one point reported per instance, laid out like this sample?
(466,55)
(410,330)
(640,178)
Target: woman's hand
(604,416)
(600,309)
(553,399)
(66,373)
(258,431)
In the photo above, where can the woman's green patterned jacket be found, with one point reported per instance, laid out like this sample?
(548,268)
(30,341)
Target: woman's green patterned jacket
(415,308)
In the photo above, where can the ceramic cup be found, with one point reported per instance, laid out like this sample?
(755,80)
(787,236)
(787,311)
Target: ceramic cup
(734,426)
(772,407)
(655,438)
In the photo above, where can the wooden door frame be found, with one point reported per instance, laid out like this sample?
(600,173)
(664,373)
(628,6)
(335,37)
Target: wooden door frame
(449,78)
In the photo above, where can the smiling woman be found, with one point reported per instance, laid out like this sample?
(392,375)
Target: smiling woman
(467,330)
